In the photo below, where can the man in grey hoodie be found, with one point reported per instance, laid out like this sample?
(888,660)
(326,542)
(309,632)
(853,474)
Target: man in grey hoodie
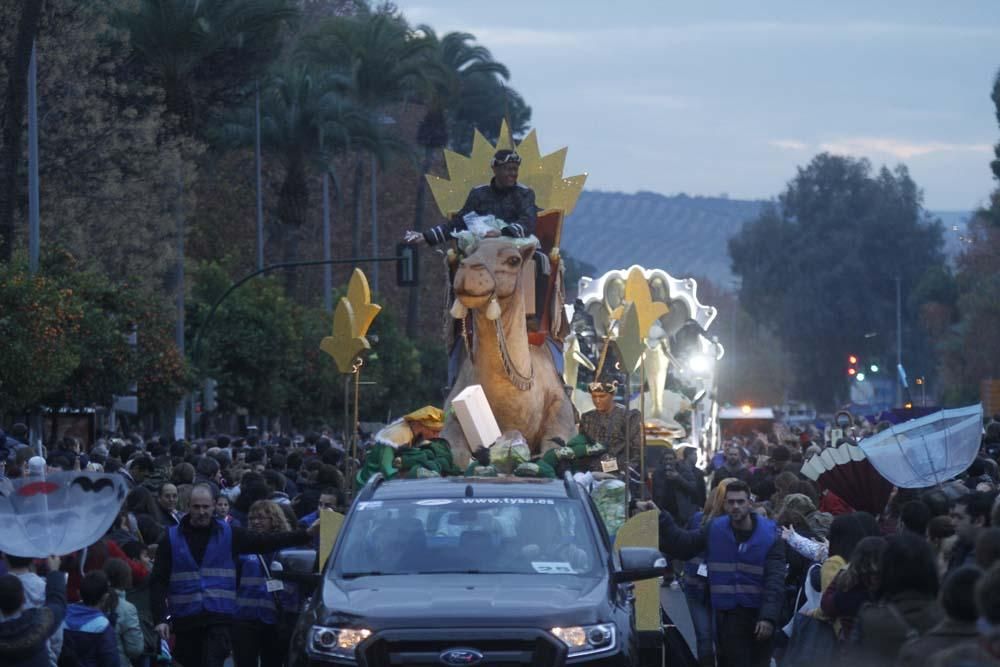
(34,597)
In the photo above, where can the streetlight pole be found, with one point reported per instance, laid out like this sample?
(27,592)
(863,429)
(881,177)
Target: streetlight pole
(260,196)
(374,222)
(899,337)
(34,234)
(327,268)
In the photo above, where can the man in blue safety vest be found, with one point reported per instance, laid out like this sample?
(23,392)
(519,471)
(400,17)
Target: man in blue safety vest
(193,584)
(745,563)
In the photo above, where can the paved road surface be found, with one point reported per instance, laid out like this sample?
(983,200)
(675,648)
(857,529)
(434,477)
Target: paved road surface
(674,603)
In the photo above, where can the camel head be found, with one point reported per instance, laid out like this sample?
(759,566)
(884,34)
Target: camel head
(493,266)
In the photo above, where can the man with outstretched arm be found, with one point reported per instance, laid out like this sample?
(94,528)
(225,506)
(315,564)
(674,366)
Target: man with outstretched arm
(194,578)
(745,563)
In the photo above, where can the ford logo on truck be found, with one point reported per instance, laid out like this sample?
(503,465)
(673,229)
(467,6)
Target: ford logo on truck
(461,656)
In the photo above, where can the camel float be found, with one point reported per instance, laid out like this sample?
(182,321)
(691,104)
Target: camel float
(520,380)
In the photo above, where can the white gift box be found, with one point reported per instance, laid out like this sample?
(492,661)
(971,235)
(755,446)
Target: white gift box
(476,417)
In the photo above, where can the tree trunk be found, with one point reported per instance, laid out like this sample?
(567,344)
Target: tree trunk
(12,121)
(413,298)
(293,202)
(359,172)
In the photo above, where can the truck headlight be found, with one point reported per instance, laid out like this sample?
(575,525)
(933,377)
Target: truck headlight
(587,639)
(336,642)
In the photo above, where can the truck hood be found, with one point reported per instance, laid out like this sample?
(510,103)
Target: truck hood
(479,600)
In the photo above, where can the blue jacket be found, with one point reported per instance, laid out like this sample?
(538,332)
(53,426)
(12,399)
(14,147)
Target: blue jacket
(253,601)
(90,637)
(210,588)
(24,638)
(736,570)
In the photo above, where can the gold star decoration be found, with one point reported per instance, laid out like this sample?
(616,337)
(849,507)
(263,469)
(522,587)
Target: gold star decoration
(543,174)
(360,297)
(345,344)
(647,310)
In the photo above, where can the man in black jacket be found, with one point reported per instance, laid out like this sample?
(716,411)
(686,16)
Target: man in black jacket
(503,197)
(24,633)
(203,637)
(676,487)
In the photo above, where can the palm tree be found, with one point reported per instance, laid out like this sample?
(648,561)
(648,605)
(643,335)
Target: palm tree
(386,62)
(203,52)
(461,62)
(306,120)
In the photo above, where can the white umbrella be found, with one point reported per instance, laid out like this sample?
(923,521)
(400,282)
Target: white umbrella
(927,451)
(58,513)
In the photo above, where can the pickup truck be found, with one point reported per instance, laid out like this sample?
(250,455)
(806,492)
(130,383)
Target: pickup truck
(496,571)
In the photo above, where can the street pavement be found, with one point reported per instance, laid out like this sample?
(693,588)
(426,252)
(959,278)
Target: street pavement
(675,604)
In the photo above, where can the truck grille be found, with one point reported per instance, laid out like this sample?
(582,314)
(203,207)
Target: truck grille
(499,647)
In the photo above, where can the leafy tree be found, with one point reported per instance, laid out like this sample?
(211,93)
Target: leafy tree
(110,167)
(968,353)
(24,17)
(306,119)
(39,323)
(819,267)
(458,59)
(64,341)
(485,103)
(386,62)
(246,348)
(202,53)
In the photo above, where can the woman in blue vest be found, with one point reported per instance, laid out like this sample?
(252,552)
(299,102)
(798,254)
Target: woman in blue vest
(695,582)
(265,606)
(745,561)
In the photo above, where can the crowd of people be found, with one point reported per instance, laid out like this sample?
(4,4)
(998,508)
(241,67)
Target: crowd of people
(774,568)
(771,566)
(188,572)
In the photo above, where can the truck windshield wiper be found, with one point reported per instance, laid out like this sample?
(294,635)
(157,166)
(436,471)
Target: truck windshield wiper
(467,572)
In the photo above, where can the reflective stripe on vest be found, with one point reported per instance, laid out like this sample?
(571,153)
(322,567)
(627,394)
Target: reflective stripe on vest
(736,570)
(209,588)
(253,601)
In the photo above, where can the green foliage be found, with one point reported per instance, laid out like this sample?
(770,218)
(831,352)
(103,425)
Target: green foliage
(64,333)
(819,268)
(264,351)
(40,320)
(202,53)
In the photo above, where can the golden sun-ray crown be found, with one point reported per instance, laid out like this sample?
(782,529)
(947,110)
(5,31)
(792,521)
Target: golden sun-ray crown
(541,174)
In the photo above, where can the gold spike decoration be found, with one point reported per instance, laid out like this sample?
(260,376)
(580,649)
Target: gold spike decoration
(360,297)
(543,174)
(351,319)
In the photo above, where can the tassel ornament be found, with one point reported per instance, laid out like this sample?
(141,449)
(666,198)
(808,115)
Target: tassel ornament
(493,310)
(458,310)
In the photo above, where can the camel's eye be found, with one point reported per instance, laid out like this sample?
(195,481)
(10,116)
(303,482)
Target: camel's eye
(513,260)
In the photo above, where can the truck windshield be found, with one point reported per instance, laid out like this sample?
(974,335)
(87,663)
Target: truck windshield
(543,536)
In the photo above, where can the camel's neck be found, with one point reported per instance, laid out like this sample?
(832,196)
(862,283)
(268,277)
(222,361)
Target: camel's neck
(488,356)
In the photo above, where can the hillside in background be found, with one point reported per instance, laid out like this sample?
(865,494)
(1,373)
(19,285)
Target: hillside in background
(685,236)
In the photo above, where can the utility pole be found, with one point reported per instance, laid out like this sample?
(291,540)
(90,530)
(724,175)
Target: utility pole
(899,337)
(327,268)
(179,416)
(374,223)
(34,233)
(260,196)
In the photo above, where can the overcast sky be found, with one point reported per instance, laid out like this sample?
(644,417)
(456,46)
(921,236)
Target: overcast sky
(715,96)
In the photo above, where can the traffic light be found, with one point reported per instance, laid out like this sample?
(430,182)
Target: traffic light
(852,359)
(209,403)
(406,265)
(852,371)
